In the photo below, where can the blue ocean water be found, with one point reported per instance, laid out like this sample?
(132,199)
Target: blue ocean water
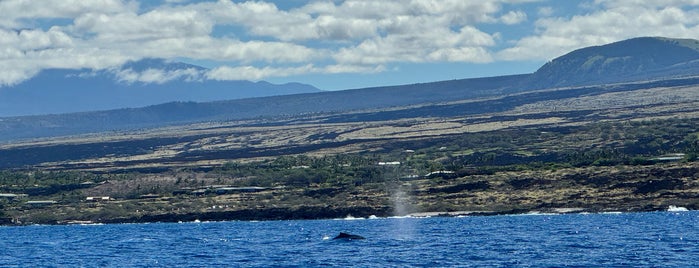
(668,239)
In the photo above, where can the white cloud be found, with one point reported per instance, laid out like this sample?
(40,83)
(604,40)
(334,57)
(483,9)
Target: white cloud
(13,11)
(38,39)
(221,49)
(156,76)
(611,21)
(545,11)
(323,36)
(12,76)
(330,36)
(643,3)
(513,17)
(153,25)
(107,39)
(337,68)
(462,54)
(22,65)
(258,73)
(24,53)
(255,73)
(421,45)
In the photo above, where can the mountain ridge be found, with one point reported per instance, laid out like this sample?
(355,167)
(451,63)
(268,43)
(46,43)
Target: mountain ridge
(628,60)
(135,84)
(562,72)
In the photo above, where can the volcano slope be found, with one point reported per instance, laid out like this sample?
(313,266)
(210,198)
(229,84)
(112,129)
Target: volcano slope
(619,147)
(608,128)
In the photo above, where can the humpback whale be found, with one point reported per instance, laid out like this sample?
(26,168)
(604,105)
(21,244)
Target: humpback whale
(346,236)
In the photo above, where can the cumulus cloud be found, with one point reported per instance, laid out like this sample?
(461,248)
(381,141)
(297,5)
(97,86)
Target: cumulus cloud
(24,53)
(610,21)
(255,73)
(319,37)
(323,36)
(157,76)
(15,11)
(468,45)
(127,27)
(227,73)
(642,3)
(514,17)
(545,11)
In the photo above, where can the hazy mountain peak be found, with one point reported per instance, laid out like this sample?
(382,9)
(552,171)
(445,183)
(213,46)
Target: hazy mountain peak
(160,64)
(157,71)
(639,58)
(134,84)
(689,43)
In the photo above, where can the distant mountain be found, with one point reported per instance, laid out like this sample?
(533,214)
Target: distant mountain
(135,84)
(643,58)
(274,106)
(660,60)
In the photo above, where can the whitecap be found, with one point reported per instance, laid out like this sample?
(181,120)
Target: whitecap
(407,217)
(672,208)
(352,218)
(534,213)
(612,212)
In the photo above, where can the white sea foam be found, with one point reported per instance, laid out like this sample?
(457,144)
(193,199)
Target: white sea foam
(404,217)
(538,213)
(672,208)
(350,218)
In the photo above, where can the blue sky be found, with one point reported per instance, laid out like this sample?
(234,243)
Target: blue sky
(331,44)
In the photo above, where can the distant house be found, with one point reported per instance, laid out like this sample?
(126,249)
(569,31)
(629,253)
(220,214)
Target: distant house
(97,198)
(669,157)
(410,177)
(441,173)
(12,197)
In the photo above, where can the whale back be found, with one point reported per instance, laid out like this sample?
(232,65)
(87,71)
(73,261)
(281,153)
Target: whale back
(347,236)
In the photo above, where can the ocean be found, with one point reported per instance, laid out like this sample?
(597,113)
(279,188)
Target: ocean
(666,239)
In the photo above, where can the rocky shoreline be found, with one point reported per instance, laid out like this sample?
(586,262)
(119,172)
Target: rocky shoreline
(276,215)
(320,213)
